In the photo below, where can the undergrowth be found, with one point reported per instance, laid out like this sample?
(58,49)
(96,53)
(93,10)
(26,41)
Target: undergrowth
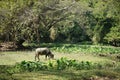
(76,48)
(60,64)
(70,69)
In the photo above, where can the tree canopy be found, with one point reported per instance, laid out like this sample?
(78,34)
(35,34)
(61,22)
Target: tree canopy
(60,20)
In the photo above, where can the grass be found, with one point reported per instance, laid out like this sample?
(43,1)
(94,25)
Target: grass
(11,58)
(70,51)
(63,75)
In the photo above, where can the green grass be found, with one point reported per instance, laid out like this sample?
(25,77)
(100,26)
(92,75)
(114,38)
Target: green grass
(11,58)
(70,51)
(63,75)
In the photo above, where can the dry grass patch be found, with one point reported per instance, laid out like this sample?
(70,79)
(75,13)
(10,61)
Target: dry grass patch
(10,58)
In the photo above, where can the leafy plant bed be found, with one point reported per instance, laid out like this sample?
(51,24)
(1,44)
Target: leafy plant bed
(60,64)
(77,48)
(54,74)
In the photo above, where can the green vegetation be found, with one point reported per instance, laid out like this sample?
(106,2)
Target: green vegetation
(63,69)
(77,48)
(86,49)
(84,36)
(71,21)
(60,64)
(73,64)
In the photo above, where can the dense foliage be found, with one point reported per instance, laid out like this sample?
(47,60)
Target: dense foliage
(60,20)
(78,48)
(60,64)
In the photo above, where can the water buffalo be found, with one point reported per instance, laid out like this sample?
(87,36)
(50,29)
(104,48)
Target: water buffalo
(43,51)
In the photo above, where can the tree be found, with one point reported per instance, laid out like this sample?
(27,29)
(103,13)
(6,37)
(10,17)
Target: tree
(10,20)
(26,19)
(113,37)
(58,20)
